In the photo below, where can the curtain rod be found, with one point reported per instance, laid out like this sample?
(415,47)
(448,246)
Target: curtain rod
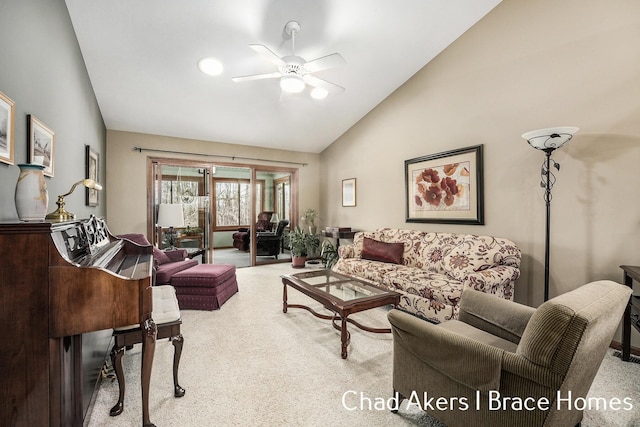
(141,149)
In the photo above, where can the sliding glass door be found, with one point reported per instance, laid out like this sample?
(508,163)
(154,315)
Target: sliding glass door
(181,208)
(230,214)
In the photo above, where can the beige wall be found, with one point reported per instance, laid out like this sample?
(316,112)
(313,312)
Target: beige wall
(526,65)
(127,175)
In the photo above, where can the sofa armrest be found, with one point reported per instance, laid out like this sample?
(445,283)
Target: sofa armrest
(496,280)
(497,316)
(346,251)
(455,355)
(176,254)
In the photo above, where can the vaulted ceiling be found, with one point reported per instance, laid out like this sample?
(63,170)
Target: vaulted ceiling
(142,57)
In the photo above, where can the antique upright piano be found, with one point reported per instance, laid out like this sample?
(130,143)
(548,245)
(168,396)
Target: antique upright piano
(58,283)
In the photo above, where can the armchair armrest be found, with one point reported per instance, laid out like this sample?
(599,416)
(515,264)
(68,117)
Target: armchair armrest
(497,316)
(176,254)
(453,354)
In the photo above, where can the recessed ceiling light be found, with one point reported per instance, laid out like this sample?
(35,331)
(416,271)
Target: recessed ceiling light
(210,66)
(319,93)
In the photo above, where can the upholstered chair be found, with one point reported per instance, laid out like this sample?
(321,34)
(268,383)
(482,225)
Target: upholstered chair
(542,360)
(269,243)
(242,237)
(166,262)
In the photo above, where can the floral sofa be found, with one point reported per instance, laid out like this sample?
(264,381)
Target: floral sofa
(430,270)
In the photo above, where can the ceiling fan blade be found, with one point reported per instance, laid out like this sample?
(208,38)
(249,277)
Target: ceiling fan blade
(329,61)
(323,84)
(268,54)
(256,77)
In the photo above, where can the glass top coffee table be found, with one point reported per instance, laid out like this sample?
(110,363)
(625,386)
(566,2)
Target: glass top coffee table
(343,295)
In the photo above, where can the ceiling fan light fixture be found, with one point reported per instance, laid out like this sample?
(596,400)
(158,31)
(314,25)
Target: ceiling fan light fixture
(210,66)
(292,83)
(319,93)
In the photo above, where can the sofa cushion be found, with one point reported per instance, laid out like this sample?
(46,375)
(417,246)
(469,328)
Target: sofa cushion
(376,250)
(160,256)
(476,253)
(438,288)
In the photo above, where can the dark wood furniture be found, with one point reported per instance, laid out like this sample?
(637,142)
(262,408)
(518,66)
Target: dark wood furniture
(59,281)
(343,295)
(339,235)
(167,317)
(632,312)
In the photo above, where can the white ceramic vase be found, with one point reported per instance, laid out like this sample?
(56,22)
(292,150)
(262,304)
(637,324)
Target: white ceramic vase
(31,196)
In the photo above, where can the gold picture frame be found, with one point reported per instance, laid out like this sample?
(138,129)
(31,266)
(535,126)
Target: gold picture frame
(7,129)
(349,192)
(92,164)
(41,140)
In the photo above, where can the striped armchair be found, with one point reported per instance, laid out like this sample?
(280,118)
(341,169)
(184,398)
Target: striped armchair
(542,360)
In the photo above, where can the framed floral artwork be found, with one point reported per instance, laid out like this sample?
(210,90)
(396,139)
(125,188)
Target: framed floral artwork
(41,140)
(7,132)
(91,165)
(446,187)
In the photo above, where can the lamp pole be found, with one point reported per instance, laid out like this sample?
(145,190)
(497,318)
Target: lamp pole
(547,199)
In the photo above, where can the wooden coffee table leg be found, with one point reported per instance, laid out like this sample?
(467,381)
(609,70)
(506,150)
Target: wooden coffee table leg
(284,298)
(344,337)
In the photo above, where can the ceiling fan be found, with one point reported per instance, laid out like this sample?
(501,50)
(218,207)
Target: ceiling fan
(294,72)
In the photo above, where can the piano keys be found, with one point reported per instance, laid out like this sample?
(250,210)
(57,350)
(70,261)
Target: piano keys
(57,282)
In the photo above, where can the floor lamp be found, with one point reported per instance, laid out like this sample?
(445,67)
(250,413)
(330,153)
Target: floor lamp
(548,140)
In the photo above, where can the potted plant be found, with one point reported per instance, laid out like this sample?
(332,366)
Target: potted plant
(329,254)
(298,246)
(302,245)
(309,217)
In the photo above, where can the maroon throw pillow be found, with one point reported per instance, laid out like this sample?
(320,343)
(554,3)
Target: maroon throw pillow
(160,256)
(376,250)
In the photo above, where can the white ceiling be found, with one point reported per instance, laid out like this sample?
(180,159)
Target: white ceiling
(141,56)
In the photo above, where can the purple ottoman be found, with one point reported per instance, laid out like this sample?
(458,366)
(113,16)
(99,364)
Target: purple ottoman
(205,286)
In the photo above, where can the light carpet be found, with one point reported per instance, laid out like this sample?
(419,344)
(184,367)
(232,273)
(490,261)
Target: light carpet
(250,364)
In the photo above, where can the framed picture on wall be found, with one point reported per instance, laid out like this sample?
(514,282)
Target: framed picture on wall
(40,141)
(446,187)
(7,123)
(349,192)
(91,164)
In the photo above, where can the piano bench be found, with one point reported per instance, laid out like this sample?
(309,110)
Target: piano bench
(205,286)
(166,316)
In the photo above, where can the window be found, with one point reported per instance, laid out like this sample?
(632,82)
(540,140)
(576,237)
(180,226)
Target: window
(233,202)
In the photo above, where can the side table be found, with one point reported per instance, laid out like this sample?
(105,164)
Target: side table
(632,312)
(339,235)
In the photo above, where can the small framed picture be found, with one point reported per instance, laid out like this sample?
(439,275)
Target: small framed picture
(41,141)
(91,165)
(349,192)
(7,132)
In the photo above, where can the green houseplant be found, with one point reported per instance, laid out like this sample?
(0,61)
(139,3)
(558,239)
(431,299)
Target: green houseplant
(329,254)
(309,216)
(302,244)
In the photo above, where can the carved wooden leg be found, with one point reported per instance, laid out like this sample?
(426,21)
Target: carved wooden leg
(344,337)
(149,333)
(284,298)
(116,362)
(177,342)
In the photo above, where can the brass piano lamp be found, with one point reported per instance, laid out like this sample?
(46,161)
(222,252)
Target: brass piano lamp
(60,214)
